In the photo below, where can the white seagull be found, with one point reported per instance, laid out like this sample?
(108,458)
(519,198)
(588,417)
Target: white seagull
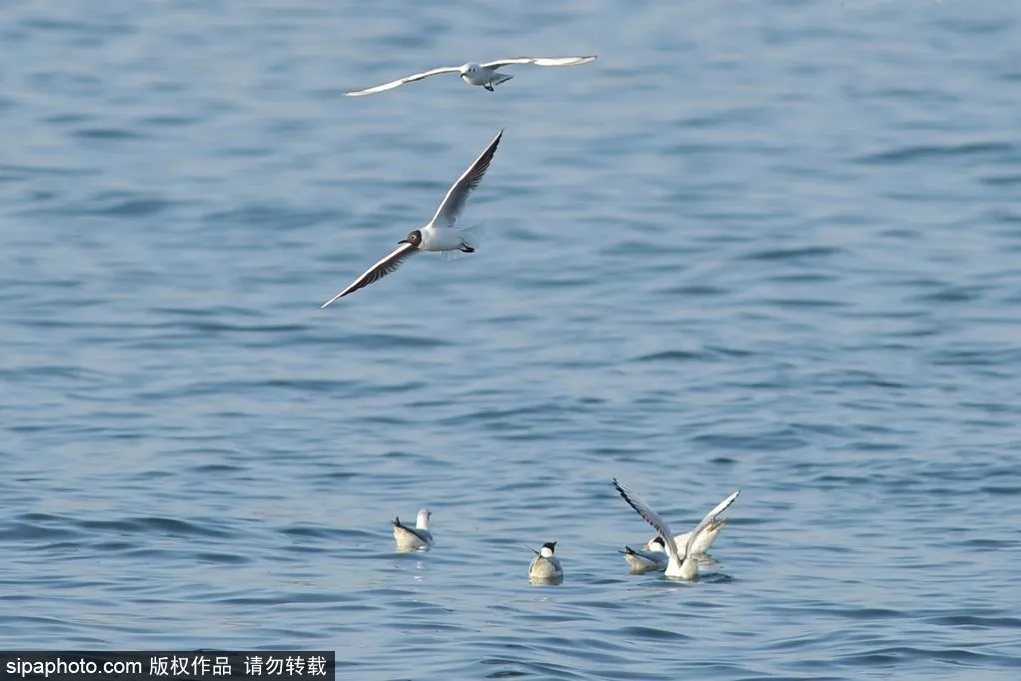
(545,567)
(417,538)
(679,566)
(440,234)
(705,538)
(647,560)
(473,73)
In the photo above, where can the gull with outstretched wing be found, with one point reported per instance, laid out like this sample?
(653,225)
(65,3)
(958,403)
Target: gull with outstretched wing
(473,73)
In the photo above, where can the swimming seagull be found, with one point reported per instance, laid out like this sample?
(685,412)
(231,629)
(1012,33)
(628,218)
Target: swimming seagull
(439,234)
(679,566)
(705,538)
(545,567)
(647,560)
(417,538)
(472,73)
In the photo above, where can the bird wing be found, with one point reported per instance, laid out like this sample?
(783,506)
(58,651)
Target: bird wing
(540,61)
(643,509)
(401,81)
(453,202)
(708,520)
(418,533)
(382,268)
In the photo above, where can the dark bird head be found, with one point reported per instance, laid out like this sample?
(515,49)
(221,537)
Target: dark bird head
(414,238)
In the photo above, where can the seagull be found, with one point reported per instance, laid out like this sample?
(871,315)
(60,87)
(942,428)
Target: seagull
(417,538)
(477,74)
(705,538)
(545,567)
(647,560)
(678,566)
(440,234)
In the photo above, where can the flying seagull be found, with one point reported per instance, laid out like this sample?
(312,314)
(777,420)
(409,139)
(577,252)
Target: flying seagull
(440,234)
(473,73)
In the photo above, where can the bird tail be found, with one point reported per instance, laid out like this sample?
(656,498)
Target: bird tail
(500,78)
(470,237)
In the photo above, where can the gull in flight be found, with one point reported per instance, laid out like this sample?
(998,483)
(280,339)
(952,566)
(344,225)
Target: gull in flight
(704,539)
(545,567)
(417,538)
(679,566)
(440,234)
(473,73)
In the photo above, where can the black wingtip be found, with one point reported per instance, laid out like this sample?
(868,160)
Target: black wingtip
(397,522)
(626,496)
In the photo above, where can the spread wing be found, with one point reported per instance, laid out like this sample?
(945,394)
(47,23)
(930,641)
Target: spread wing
(708,520)
(643,509)
(401,81)
(540,61)
(453,202)
(382,268)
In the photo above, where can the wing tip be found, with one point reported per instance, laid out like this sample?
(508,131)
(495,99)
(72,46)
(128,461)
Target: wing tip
(623,491)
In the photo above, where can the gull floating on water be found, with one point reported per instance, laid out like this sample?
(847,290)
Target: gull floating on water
(705,538)
(473,73)
(417,538)
(545,567)
(440,234)
(679,566)
(648,560)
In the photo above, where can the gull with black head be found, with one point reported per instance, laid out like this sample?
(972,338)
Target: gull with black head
(647,560)
(682,566)
(545,567)
(440,234)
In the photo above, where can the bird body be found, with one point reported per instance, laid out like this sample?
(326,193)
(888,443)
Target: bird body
(646,560)
(417,538)
(545,567)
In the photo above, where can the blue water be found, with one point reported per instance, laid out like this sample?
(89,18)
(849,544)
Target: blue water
(768,246)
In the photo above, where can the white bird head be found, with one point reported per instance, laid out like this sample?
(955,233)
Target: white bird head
(470,69)
(423,519)
(547,549)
